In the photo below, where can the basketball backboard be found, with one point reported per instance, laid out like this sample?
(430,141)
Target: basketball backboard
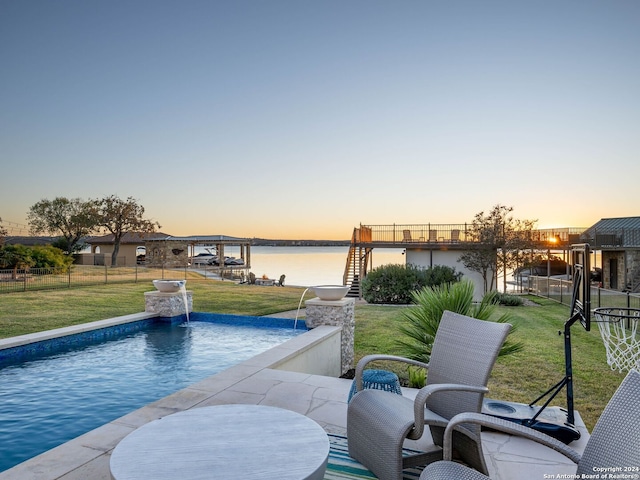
(581,299)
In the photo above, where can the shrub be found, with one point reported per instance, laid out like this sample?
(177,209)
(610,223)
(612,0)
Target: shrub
(509,300)
(395,284)
(440,275)
(417,377)
(424,317)
(16,257)
(50,257)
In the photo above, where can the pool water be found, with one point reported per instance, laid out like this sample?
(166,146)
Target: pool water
(57,396)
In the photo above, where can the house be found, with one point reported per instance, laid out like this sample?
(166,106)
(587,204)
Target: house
(131,244)
(618,240)
(424,246)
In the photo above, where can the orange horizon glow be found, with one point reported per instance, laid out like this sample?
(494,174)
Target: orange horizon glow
(341,231)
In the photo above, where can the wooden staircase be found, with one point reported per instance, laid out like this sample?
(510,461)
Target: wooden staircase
(358,263)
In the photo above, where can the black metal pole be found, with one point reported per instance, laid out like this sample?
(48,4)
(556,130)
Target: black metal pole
(568,376)
(568,366)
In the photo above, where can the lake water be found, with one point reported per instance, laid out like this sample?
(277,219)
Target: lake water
(308,266)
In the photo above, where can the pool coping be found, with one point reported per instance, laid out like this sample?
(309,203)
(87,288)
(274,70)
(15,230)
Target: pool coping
(22,340)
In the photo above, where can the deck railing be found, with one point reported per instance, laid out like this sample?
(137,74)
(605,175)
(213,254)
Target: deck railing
(613,237)
(452,233)
(460,233)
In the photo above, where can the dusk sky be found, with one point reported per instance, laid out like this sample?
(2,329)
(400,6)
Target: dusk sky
(300,119)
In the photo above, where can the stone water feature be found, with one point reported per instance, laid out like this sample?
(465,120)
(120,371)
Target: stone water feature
(331,307)
(170,299)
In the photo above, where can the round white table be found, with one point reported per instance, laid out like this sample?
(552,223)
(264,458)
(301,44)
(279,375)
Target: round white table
(224,442)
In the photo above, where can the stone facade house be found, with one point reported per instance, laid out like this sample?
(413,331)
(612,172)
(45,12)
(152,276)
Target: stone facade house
(131,245)
(618,240)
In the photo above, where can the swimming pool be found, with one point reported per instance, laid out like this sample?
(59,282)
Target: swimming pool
(60,389)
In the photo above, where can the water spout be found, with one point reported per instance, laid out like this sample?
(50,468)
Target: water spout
(295,323)
(183,290)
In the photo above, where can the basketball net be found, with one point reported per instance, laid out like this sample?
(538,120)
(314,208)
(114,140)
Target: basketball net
(619,328)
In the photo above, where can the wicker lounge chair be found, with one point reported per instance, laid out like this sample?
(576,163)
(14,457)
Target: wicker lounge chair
(378,422)
(614,442)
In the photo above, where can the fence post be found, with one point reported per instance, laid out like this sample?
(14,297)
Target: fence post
(548,287)
(561,292)
(106,275)
(69,276)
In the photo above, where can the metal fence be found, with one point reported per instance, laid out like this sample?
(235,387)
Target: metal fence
(12,280)
(404,233)
(562,290)
(82,275)
(454,233)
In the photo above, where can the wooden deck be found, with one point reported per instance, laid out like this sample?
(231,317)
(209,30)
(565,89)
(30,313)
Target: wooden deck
(441,235)
(431,236)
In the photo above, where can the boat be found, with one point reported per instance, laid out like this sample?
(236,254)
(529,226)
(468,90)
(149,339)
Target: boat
(203,259)
(233,261)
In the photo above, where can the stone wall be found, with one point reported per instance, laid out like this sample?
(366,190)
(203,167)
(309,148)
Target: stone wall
(633,267)
(167,253)
(628,264)
(335,313)
(167,304)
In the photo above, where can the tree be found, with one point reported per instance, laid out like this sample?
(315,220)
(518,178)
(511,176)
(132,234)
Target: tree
(16,257)
(3,233)
(119,217)
(72,219)
(499,242)
(423,318)
(516,240)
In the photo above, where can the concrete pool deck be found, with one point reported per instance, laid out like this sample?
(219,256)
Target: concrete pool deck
(257,381)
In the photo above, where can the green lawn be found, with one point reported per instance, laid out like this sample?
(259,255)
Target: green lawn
(28,312)
(520,377)
(523,376)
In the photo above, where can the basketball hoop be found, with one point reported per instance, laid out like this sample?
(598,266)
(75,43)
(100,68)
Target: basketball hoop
(619,331)
(551,423)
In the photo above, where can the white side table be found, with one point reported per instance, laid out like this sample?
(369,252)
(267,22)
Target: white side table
(224,442)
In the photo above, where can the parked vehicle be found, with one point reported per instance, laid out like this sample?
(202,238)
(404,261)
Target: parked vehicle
(553,268)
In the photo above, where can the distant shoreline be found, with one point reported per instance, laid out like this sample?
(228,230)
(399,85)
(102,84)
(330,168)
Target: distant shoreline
(263,242)
(258,242)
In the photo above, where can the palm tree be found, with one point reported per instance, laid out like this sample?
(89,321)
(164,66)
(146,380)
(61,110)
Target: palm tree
(423,318)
